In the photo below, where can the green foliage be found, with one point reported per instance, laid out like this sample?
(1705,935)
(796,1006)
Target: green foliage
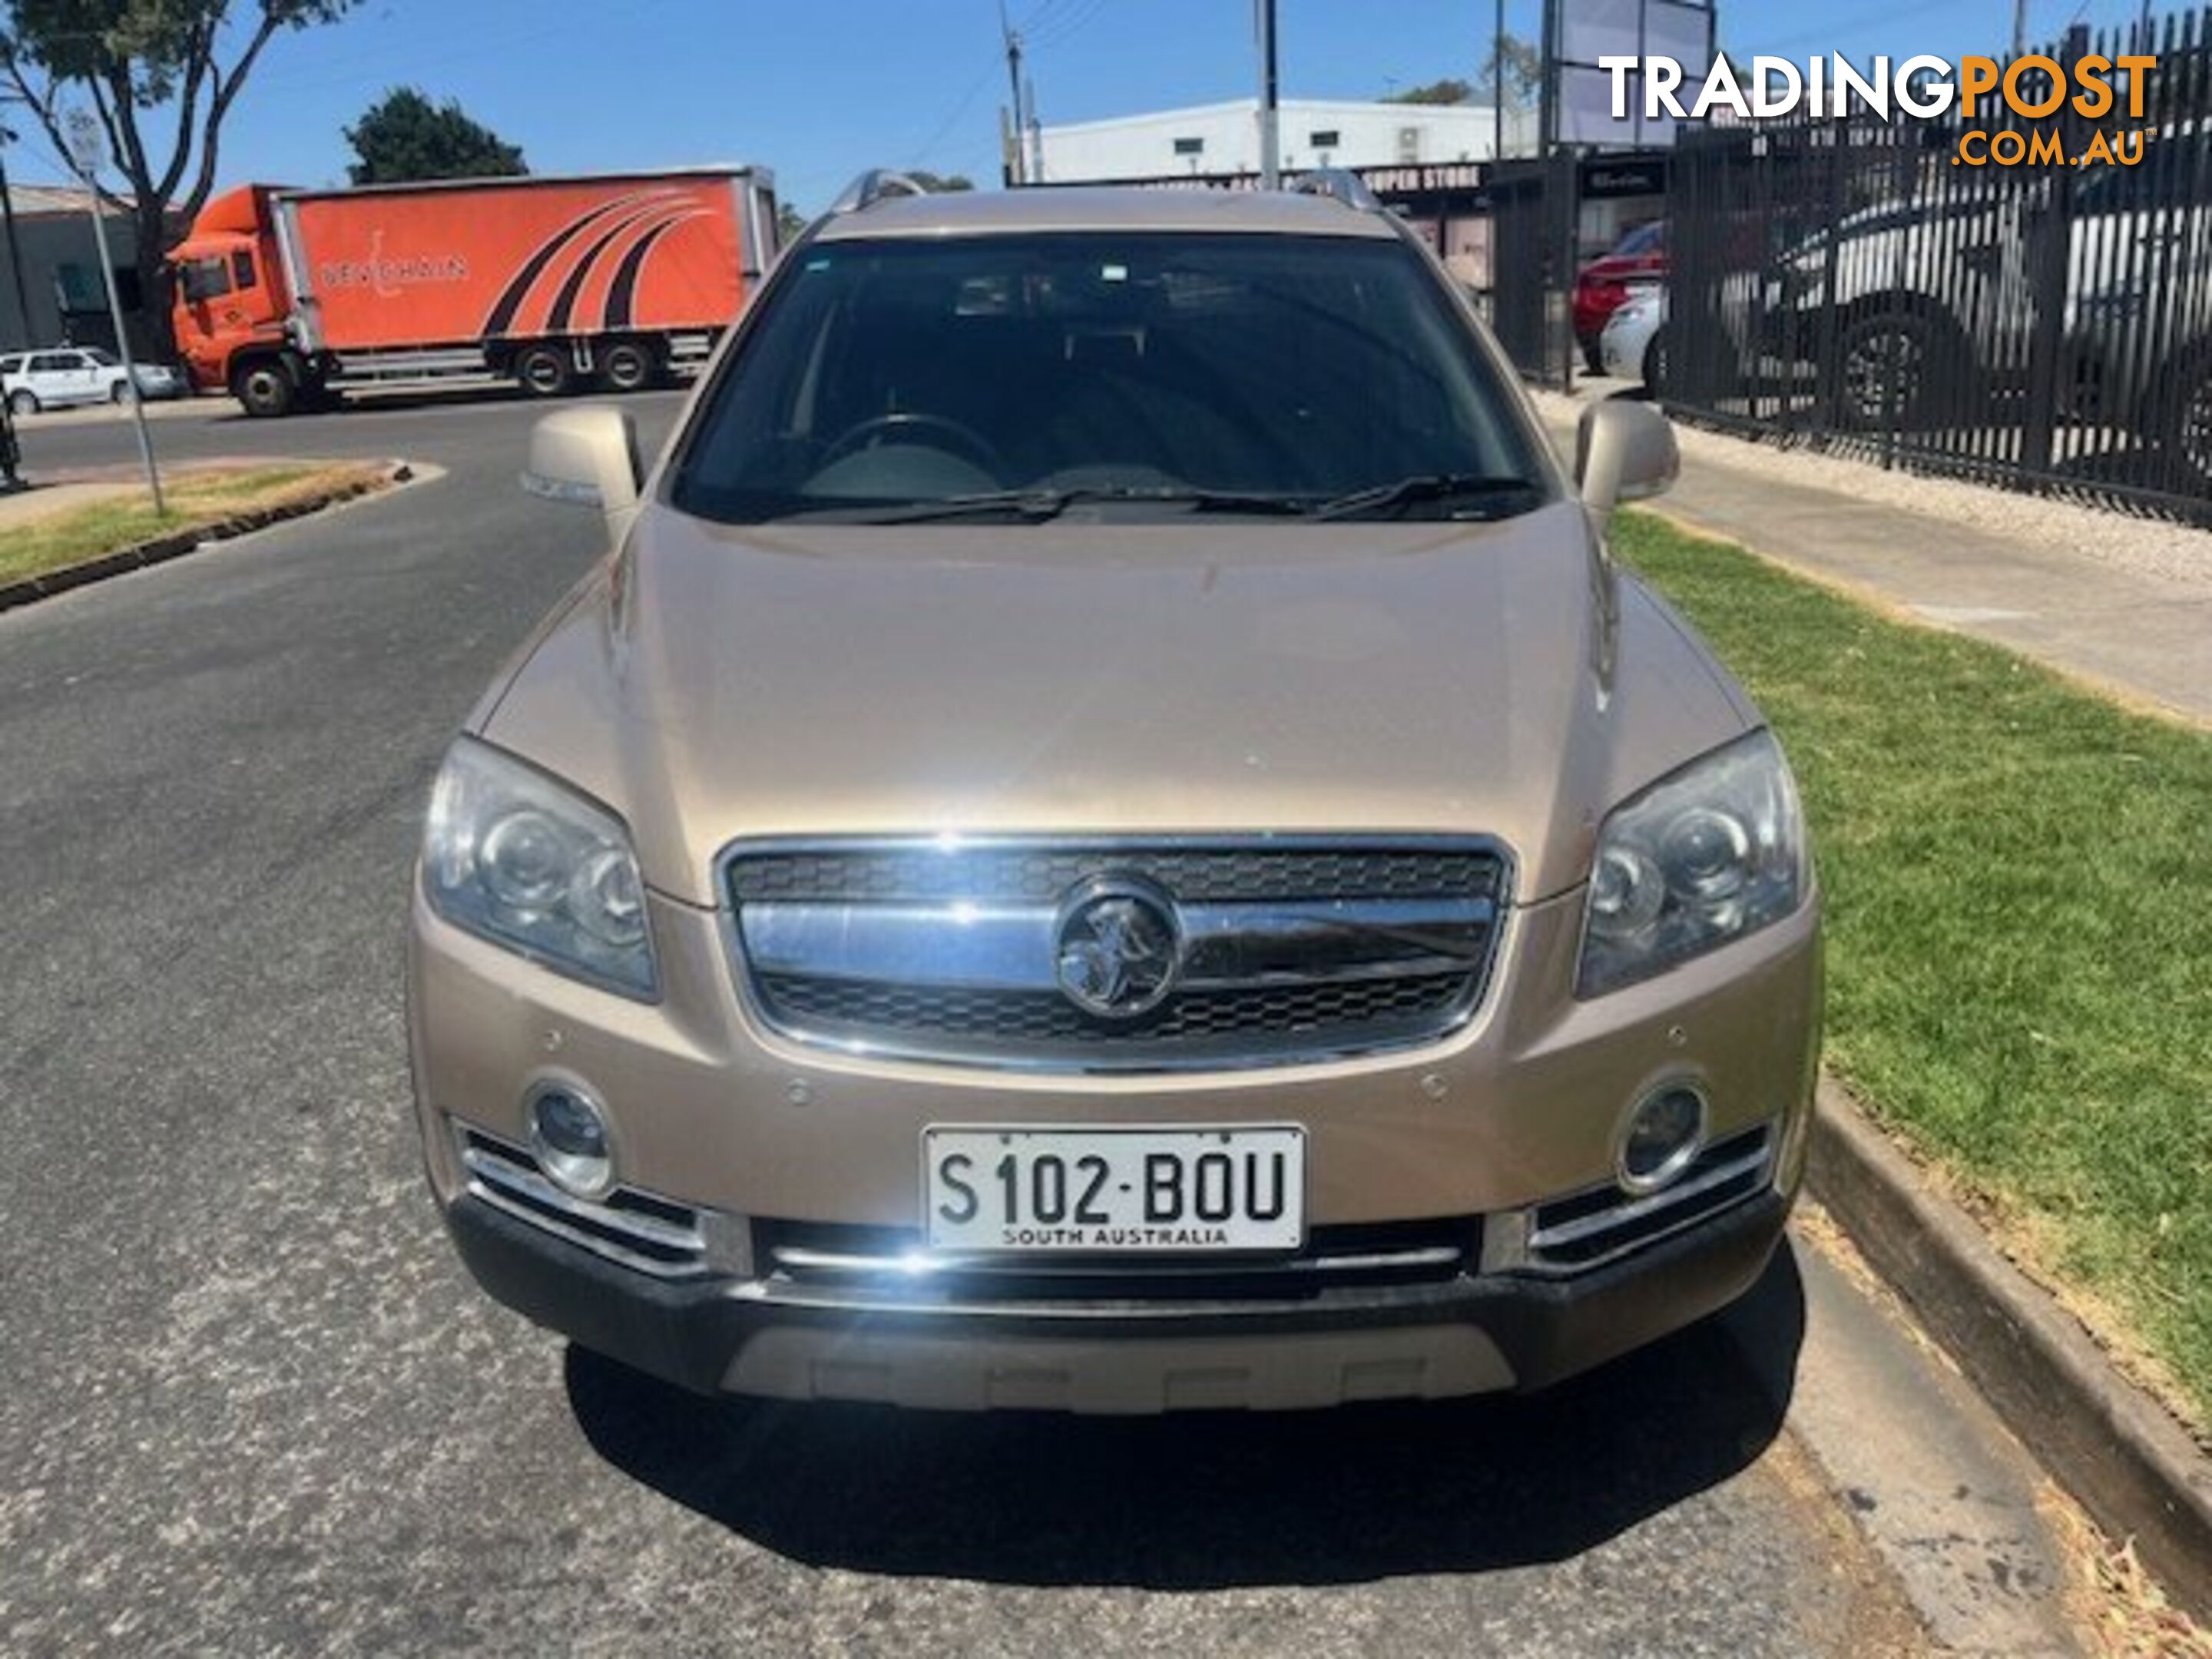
(157,48)
(936,183)
(2019,959)
(405,138)
(1449,91)
(162,77)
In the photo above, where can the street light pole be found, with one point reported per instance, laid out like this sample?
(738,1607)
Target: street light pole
(1271,153)
(86,150)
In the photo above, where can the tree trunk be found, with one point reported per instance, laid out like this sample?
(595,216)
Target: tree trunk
(155,282)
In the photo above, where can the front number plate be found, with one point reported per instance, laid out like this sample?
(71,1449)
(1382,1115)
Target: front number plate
(1114,1190)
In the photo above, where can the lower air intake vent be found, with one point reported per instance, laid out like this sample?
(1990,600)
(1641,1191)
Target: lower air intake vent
(635,1229)
(1597,1225)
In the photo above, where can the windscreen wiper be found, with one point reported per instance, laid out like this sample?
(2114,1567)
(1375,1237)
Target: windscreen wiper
(1422,487)
(1037,506)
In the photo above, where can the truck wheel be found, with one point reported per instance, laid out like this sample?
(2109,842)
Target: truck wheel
(266,388)
(543,370)
(629,366)
(25,402)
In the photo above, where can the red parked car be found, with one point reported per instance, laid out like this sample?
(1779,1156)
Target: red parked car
(1640,257)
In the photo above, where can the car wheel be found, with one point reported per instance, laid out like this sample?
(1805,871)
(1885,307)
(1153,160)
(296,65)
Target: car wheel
(1655,367)
(266,388)
(543,370)
(2191,440)
(23,403)
(119,393)
(1593,357)
(1888,368)
(629,366)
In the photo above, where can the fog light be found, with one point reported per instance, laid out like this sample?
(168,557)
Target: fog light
(1660,1138)
(568,1133)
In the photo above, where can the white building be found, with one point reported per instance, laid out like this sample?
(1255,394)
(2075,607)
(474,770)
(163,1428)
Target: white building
(1225,138)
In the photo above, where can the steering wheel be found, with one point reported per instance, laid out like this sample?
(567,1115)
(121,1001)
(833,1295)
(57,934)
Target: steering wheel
(970,443)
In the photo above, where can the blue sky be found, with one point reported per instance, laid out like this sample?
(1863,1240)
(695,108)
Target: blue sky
(818,89)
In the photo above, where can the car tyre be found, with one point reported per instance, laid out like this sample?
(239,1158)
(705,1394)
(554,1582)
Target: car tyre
(25,402)
(119,394)
(543,371)
(1890,368)
(1656,369)
(265,388)
(1593,357)
(2189,436)
(629,366)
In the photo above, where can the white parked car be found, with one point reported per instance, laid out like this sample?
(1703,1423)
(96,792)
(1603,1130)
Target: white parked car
(33,380)
(1633,346)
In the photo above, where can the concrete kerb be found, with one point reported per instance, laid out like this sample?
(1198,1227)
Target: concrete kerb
(2119,1453)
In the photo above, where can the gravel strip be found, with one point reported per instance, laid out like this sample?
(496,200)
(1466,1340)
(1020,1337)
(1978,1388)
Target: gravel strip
(2144,547)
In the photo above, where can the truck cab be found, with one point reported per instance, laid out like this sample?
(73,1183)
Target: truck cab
(231,297)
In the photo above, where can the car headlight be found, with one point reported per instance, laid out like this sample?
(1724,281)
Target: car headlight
(1714,852)
(531,864)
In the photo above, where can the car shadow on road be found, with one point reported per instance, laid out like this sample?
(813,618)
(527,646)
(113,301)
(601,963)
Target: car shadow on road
(1216,1501)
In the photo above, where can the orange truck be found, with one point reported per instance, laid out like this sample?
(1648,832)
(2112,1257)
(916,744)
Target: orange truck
(286,298)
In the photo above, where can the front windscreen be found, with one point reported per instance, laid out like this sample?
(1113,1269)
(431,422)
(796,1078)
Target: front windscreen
(1143,368)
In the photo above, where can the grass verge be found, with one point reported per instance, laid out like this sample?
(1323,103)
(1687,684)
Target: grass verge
(2018,882)
(195,500)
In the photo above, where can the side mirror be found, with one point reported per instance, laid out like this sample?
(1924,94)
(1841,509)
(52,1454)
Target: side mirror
(587,458)
(1624,452)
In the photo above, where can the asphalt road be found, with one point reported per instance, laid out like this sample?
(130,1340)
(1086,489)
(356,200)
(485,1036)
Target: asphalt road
(249,1402)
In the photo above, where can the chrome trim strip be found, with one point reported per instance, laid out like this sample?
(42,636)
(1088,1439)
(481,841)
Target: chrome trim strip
(506,1185)
(1626,1215)
(921,1265)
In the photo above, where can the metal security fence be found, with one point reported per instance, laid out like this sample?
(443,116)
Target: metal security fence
(1533,206)
(2046,325)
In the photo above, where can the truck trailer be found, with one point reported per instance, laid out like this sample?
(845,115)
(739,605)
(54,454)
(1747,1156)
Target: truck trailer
(286,298)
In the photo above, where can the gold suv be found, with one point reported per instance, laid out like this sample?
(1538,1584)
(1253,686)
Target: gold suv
(1108,837)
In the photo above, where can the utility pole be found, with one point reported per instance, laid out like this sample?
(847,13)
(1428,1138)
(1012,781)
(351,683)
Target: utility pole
(1497,86)
(1013,39)
(1271,152)
(88,152)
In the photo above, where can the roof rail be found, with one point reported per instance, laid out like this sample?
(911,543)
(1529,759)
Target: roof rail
(871,187)
(1340,185)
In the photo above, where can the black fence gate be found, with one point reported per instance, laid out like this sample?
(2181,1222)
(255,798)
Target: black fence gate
(1533,206)
(1895,288)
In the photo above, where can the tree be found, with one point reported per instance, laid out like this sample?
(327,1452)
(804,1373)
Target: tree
(406,138)
(156,76)
(1524,82)
(938,183)
(790,224)
(1450,91)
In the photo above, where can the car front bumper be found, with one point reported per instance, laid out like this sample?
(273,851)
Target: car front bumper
(1476,1333)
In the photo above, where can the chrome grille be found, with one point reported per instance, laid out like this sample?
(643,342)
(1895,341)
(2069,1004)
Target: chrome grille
(1286,951)
(1043,1017)
(984,872)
